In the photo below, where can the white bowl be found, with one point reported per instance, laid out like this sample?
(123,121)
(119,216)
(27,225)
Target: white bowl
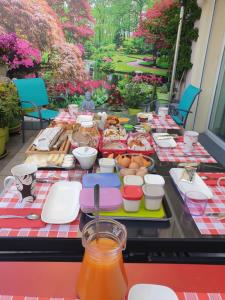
(86,156)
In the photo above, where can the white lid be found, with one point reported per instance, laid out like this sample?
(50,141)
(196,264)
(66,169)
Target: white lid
(133,180)
(154,179)
(85,151)
(88,124)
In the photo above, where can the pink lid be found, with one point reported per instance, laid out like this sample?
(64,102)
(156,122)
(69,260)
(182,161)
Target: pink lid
(109,199)
(132,192)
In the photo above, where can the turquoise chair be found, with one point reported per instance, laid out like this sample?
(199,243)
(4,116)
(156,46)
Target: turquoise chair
(180,112)
(33,95)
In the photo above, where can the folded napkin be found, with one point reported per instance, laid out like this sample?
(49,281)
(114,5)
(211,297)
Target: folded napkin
(20,223)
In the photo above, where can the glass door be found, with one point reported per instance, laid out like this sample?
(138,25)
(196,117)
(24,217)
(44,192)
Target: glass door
(217,118)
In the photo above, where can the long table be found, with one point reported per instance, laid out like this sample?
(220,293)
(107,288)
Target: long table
(176,240)
(58,280)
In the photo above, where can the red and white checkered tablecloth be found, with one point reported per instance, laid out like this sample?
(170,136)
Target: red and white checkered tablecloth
(164,123)
(181,296)
(9,199)
(52,175)
(209,225)
(178,155)
(201,296)
(65,117)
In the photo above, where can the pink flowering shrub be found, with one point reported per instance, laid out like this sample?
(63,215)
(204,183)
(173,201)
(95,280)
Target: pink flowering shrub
(38,23)
(151,79)
(79,87)
(18,53)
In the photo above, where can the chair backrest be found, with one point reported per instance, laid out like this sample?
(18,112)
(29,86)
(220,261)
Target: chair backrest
(187,100)
(32,89)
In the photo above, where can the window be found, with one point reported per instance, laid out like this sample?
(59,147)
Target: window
(217,119)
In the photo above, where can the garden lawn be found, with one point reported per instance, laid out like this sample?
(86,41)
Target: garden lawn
(120,65)
(139,56)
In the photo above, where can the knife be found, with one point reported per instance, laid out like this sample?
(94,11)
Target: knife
(192,155)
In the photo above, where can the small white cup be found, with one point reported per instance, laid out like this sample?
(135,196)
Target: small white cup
(24,178)
(73,109)
(190,140)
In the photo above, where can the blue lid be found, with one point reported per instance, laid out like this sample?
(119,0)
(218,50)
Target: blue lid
(103,179)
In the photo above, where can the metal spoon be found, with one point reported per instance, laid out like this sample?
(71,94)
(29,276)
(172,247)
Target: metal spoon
(96,204)
(29,217)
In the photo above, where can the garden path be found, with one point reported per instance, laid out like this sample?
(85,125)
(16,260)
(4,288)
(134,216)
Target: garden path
(138,61)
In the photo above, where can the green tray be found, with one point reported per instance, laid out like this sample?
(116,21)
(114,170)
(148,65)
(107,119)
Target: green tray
(163,214)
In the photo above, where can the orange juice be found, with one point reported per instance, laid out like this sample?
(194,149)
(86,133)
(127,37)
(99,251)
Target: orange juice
(102,275)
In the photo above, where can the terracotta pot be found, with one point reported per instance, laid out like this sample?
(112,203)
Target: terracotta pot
(134,111)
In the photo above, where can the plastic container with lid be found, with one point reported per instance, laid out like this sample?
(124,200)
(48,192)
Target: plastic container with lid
(153,196)
(133,180)
(103,179)
(132,196)
(106,165)
(110,199)
(154,179)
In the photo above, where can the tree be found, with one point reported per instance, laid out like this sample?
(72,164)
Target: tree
(37,22)
(115,20)
(76,19)
(159,26)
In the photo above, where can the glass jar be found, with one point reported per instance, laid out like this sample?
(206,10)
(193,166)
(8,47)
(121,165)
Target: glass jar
(102,275)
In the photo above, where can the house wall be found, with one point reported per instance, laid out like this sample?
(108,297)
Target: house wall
(206,60)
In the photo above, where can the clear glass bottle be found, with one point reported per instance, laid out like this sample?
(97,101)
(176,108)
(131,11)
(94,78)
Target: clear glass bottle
(102,275)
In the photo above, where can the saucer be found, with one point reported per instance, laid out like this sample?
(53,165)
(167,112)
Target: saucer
(151,291)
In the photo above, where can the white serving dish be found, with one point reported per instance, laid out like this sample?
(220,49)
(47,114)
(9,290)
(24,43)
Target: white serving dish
(133,180)
(86,156)
(151,291)
(106,165)
(62,203)
(154,179)
(164,143)
(184,186)
(84,118)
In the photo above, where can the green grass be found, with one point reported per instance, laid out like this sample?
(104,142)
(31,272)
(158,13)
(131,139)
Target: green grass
(122,67)
(139,56)
(147,63)
(122,58)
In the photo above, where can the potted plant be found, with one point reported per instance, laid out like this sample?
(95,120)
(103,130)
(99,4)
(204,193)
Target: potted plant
(10,105)
(4,121)
(136,94)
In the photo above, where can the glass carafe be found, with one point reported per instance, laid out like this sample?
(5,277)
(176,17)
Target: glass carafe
(102,275)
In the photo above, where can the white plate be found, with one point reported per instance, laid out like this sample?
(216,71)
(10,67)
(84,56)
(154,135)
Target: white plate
(184,186)
(166,143)
(151,291)
(62,203)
